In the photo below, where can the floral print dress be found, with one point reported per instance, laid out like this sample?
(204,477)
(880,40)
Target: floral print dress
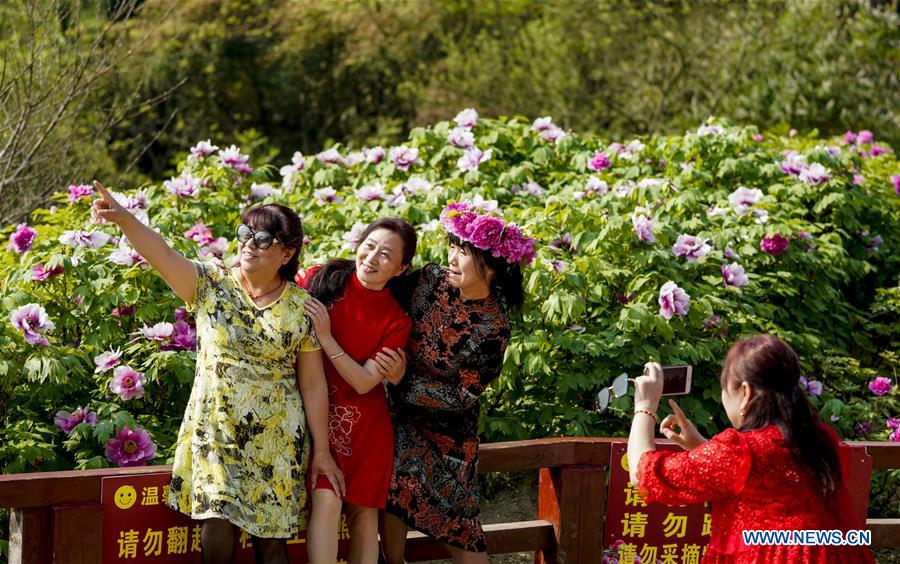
(456,349)
(242,450)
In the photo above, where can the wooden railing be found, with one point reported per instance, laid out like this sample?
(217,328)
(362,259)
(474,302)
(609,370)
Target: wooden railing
(56,517)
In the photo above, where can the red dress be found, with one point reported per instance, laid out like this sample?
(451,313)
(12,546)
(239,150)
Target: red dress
(752,482)
(363,322)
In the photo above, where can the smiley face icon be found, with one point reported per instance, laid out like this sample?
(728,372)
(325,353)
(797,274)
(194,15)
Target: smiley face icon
(125,497)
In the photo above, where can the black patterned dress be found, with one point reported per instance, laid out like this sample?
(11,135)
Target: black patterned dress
(455,350)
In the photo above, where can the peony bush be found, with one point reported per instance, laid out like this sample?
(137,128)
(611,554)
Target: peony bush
(664,247)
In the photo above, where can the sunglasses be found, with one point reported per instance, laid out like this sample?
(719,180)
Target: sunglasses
(618,389)
(262,239)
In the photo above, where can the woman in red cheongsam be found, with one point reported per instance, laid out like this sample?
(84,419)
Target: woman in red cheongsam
(360,328)
(777,469)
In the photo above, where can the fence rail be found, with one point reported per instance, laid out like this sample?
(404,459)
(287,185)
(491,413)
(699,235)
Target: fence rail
(56,517)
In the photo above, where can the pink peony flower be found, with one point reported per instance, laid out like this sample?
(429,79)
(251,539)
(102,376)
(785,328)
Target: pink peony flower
(78,191)
(672,300)
(472,158)
(130,448)
(184,186)
(330,156)
(690,247)
(127,383)
(865,136)
(793,163)
(877,150)
(729,253)
(374,155)
(327,195)
(466,118)
(87,239)
(643,227)
(40,272)
(849,137)
(733,275)
(125,255)
(416,185)
(159,332)
(351,238)
(22,239)
(542,124)
(123,311)
(203,149)
(594,186)
(216,248)
(880,386)
(32,320)
(485,205)
(529,188)
(600,161)
(743,199)
(484,231)
(514,246)
(774,245)
(66,421)
(705,130)
(139,201)
(404,156)
(552,133)
(183,338)
(200,233)
(232,157)
(290,173)
(398,196)
(814,174)
(896,181)
(462,138)
(354,158)
(811,387)
(106,360)
(261,191)
(369,192)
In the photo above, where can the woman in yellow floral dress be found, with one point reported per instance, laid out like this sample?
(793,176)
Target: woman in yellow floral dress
(242,451)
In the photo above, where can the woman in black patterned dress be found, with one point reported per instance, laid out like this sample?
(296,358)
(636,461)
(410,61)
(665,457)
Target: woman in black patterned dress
(460,333)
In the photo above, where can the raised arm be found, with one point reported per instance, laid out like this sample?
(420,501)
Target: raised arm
(178,272)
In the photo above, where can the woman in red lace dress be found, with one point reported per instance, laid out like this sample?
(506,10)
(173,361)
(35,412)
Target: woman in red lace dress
(777,469)
(360,328)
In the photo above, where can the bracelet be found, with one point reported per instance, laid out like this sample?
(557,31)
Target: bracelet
(650,413)
(334,356)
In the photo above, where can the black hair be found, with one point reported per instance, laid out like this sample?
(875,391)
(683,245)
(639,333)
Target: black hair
(771,367)
(506,282)
(285,225)
(328,283)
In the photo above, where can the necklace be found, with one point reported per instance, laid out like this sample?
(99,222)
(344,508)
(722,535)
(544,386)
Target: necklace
(263,295)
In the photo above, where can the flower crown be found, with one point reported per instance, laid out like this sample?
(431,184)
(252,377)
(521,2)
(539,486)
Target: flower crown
(488,232)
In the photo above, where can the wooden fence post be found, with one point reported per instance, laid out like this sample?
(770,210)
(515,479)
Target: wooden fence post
(29,535)
(573,498)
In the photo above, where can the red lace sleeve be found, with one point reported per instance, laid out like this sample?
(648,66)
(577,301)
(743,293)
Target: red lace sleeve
(714,470)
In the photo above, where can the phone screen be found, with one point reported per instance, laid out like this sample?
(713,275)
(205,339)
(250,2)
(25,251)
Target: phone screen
(676,380)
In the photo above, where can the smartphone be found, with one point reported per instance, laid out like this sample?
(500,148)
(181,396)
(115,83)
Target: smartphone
(677,380)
